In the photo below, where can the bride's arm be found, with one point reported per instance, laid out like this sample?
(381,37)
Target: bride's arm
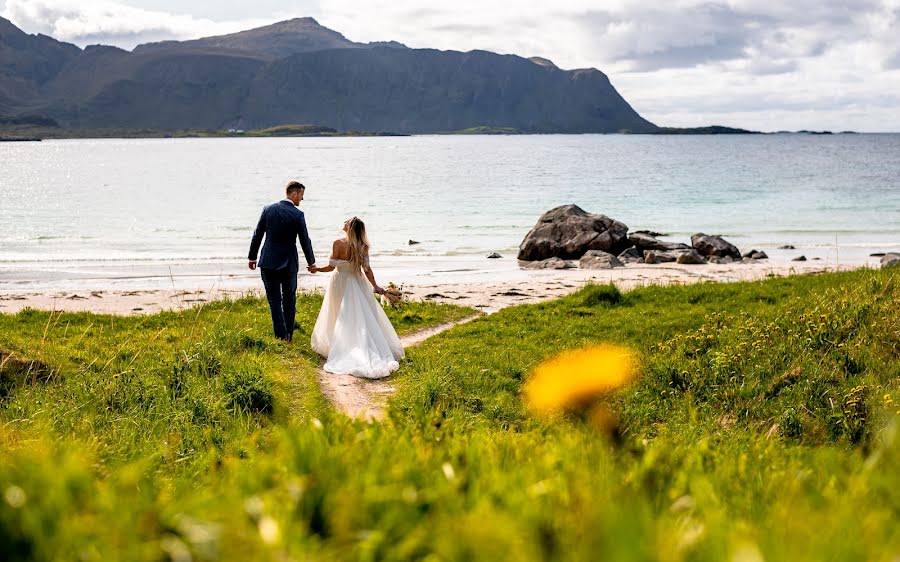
(371,277)
(334,253)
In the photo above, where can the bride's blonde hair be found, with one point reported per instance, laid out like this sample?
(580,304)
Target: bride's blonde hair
(359,243)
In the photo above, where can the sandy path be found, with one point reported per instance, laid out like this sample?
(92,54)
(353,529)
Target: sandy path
(365,399)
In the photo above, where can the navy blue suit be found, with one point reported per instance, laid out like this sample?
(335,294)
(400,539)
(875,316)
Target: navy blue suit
(282,224)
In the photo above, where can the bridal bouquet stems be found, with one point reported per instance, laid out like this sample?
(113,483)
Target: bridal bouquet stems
(392,295)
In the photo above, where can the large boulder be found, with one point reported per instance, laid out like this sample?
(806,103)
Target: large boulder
(890,260)
(631,255)
(598,259)
(714,246)
(568,232)
(690,257)
(644,241)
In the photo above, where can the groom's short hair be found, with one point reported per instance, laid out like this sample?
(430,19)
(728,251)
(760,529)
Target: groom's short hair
(294,186)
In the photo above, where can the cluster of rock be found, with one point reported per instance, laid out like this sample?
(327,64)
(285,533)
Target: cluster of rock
(598,242)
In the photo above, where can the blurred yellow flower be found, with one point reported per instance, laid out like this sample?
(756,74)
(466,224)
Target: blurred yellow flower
(576,378)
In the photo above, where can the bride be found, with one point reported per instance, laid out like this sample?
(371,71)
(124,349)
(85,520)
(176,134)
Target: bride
(352,330)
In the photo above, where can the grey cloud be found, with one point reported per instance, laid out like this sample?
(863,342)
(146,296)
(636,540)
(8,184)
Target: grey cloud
(892,62)
(754,103)
(678,39)
(657,38)
(770,67)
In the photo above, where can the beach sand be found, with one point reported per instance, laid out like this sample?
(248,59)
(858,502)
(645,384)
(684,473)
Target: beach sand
(522,287)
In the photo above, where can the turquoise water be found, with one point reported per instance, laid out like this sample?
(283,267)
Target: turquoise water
(131,209)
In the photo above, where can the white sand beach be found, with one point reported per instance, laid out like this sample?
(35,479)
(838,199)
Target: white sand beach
(489,295)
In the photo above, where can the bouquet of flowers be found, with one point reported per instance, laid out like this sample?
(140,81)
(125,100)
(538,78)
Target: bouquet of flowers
(392,295)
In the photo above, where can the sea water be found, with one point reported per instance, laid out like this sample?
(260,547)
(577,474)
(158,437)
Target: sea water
(160,212)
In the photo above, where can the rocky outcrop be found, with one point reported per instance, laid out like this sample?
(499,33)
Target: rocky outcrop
(714,246)
(598,259)
(568,232)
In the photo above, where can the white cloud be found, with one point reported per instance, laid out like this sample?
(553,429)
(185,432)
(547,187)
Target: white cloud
(106,21)
(762,64)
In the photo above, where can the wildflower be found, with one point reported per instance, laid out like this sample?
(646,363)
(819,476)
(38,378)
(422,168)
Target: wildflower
(577,378)
(15,496)
(449,473)
(268,530)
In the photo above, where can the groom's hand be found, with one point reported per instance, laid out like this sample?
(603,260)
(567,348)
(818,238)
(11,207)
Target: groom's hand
(252,265)
(311,268)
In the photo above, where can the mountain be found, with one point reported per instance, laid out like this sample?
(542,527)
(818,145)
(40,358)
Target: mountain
(27,62)
(300,35)
(298,71)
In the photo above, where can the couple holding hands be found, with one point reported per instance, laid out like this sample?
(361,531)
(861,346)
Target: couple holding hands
(352,331)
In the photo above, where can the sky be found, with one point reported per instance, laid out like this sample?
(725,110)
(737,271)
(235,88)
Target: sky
(765,65)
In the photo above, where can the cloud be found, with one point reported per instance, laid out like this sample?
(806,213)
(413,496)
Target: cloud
(683,35)
(85,22)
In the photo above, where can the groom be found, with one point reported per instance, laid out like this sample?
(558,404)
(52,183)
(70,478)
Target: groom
(282,223)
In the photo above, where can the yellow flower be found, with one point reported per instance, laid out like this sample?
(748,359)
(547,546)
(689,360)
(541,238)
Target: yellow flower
(577,378)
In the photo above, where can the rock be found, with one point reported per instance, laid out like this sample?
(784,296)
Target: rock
(493,256)
(799,258)
(631,255)
(877,255)
(598,259)
(722,260)
(816,259)
(786,247)
(650,233)
(890,260)
(551,263)
(681,255)
(568,232)
(657,256)
(714,246)
(757,255)
(645,242)
(690,257)
(414,242)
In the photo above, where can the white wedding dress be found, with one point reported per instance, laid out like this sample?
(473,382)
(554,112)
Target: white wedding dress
(352,330)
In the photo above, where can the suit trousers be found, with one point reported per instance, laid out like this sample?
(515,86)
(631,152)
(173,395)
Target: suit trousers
(281,292)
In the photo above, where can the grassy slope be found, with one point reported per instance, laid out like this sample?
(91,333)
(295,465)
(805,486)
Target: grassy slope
(761,425)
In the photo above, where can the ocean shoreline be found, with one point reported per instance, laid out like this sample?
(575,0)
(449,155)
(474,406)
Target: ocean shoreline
(488,294)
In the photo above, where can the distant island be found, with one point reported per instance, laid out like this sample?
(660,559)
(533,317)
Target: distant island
(33,128)
(22,130)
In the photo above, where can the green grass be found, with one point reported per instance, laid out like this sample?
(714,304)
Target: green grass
(763,427)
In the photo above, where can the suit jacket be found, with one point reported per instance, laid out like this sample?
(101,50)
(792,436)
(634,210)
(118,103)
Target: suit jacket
(282,223)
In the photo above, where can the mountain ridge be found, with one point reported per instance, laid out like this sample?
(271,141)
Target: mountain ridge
(297,71)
